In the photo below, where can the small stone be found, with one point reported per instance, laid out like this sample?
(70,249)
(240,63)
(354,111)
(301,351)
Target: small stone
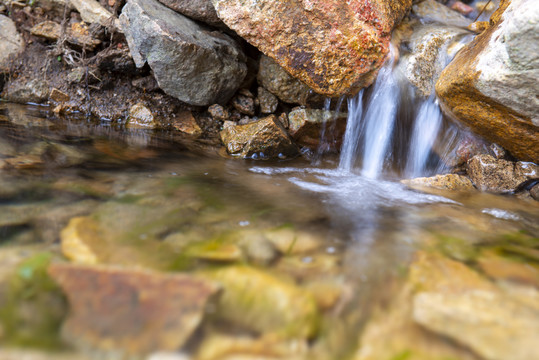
(25,91)
(446,182)
(58,96)
(283,119)
(246,92)
(77,34)
(92,12)
(498,175)
(478,26)
(264,138)
(306,126)
(218,113)
(462,8)
(268,102)
(140,117)
(498,151)
(76,75)
(186,123)
(292,242)
(144,311)
(244,104)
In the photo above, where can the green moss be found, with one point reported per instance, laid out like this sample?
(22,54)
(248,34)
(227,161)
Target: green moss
(456,248)
(33,308)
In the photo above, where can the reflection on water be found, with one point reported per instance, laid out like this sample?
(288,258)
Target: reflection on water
(312,262)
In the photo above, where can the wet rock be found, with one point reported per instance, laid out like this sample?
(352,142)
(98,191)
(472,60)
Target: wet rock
(186,123)
(462,8)
(218,113)
(534,192)
(333,47)
(189,62)
(458,146)
(243,104)
(433,11)
(292,242)
(447,182)
(281,84)
(214,250)
(256,300)
(306,126)
(92,12)
(242,347)
(31,305)
(201,10)
(431,47)
(25,91)
(257,248)
(143,312)
(503,268)
(499,175)
(265,139)
(11,43)
(492,82)
(479,26)
(268,102)
(455,301)
(140,117)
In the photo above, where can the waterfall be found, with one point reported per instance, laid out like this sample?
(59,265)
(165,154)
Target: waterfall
(351,135)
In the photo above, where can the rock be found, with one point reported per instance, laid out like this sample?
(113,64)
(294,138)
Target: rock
(447,182)
(140,117)
(281,84)
(534,192)
(201,10)
(187,124)
(307,125)
(11,43)
(268,102)
(332,46)
(459,145)
(92,12)
(262,302)
(291,242)
(243,104)
(77,34)
(455,301)
(430,51)
(218,113)
(499,175)
(265,139)
(25,91)
(492,82)
(507,269)
(144,311)
(58,96)
(479,26)
(189,62)
(462,8)
(433,11)
(214,250)
(147,83)
(27,354)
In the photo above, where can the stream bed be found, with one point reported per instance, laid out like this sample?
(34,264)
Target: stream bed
(129,244)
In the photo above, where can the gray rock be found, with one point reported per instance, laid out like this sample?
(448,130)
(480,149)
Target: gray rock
(262,139)
(268,102)
(281,84)
(27,91)
(190,62)
(433,11)
(431,48)
(498,175)
(11,42)
(201,10)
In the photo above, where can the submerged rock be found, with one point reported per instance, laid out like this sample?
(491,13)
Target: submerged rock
(262,302)
(11,43)
(491,85)
(201,10)
(189,61)
(332,46)
(143,311)
(499,175)
(306,126)
(262,139)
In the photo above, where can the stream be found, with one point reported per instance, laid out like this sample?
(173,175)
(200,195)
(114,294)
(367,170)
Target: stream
(363,247)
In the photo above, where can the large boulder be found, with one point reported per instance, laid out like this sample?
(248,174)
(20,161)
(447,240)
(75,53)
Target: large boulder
(335,47)
(492,83)
(190,62)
